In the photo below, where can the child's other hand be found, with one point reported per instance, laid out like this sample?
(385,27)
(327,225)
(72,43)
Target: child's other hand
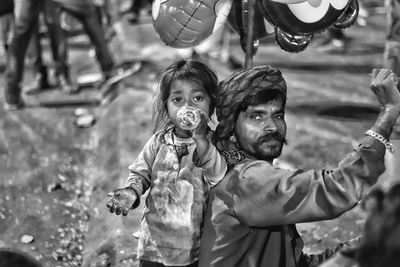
(122,200)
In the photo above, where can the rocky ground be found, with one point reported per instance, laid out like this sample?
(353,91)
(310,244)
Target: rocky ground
(55,175)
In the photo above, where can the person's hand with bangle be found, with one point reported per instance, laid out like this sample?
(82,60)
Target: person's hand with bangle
(384,85)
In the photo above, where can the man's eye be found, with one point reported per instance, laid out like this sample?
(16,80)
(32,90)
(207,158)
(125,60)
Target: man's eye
(280,116)
(255,117)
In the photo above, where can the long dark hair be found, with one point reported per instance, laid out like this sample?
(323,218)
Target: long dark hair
(190,71)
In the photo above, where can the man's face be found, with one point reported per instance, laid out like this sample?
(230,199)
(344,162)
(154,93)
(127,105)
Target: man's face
(261,130)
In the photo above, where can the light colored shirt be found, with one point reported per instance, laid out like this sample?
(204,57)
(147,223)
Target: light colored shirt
(178,190)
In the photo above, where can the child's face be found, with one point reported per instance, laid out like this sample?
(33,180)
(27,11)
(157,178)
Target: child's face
(184,93)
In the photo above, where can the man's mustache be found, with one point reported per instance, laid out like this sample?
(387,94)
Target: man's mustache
(275,136)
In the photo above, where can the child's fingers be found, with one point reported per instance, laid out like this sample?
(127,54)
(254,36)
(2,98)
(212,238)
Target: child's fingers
(112,207)
(125,211)
(109,204)
(118,210)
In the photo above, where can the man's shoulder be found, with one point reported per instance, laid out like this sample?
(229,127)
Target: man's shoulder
(252,163)
(249,165)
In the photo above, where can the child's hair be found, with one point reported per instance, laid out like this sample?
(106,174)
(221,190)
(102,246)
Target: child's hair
(381,242)
(189,71)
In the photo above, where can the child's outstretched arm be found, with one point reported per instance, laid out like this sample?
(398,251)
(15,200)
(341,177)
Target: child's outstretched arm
(127,198)
(207,156)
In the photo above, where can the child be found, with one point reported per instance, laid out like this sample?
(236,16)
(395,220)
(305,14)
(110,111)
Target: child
(177,166)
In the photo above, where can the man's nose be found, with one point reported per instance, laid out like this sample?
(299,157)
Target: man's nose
(270,125)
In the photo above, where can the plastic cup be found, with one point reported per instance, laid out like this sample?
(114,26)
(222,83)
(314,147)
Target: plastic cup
(189,118)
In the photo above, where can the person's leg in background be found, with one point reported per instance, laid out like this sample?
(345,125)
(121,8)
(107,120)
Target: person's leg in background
(96,34)
(103,11)
(6,29)
(7,6)
(85,12)
(59,47)
(26,14)
(6,22)
(40,77)
(391,54)
(134,11)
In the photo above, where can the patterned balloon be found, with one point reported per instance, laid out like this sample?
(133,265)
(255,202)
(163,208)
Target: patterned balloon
(297,20)
(303,16)
(184,23)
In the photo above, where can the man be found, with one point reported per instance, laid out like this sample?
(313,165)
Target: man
(251,214)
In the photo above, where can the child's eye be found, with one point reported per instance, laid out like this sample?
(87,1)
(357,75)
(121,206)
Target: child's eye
(198,98)
(176,99)
(280,116)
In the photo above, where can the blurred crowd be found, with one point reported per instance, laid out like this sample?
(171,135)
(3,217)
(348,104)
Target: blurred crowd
(25,22)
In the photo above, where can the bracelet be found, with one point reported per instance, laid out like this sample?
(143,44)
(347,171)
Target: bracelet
(382,139)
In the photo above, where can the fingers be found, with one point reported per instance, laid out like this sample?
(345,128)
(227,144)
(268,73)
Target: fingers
(125,211)
(380,74)
(115,207)
(382,78)
(110,205)
(113,193)
(118,210)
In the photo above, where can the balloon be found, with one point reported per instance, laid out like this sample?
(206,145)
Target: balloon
(349,16)
(297,20)
(184,23)
(290,42)
(303,16)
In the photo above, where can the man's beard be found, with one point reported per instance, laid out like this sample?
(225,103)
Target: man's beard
(272,151)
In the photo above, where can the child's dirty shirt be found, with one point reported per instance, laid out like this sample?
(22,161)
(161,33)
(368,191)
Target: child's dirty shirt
(176,201)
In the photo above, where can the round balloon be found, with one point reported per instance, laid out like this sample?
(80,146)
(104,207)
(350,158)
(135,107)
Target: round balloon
(303,16)
(184,24)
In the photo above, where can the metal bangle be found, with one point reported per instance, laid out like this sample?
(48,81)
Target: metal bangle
(382,139)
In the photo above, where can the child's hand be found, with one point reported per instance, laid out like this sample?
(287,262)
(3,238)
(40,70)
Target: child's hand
(201,130)
(122,200)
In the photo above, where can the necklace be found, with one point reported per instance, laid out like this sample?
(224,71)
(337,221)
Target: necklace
(181,149)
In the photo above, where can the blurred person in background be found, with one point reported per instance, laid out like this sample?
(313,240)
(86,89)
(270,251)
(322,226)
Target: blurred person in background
(6,22)
(380,244)
(133,13)
(26,14)
(391,55)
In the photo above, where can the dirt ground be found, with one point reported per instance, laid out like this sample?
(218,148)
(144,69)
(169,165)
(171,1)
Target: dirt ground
(55,176)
